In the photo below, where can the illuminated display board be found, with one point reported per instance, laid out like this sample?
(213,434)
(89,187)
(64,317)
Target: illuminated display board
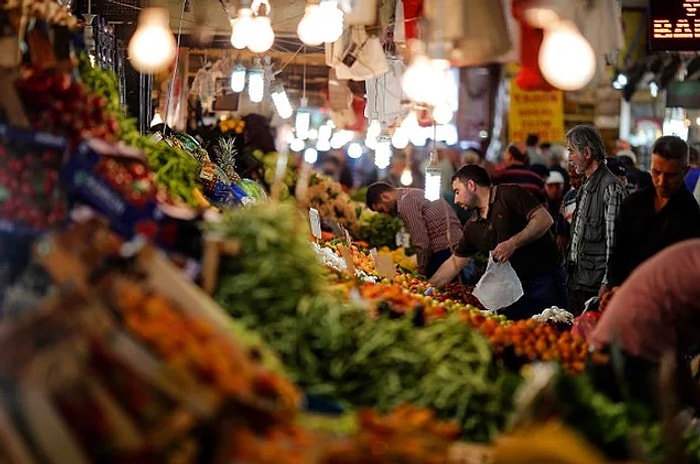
(674,25)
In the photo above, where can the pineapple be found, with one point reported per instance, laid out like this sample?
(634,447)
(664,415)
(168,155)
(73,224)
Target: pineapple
(225,156)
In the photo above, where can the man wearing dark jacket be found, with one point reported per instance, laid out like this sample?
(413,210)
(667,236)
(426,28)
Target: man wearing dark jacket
(593,225)
(654,218)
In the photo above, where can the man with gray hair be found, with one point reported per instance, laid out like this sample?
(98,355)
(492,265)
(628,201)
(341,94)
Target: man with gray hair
(593,225)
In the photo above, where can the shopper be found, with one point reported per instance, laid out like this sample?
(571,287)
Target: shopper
(514,227)
(517,171)
(554,186)
(655,312)
(593,224)
(657,308)
(433,225)
(652,219)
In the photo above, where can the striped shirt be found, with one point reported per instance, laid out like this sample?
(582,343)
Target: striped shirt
(433,225)
(524,177)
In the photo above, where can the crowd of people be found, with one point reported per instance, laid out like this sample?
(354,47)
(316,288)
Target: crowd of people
(573,228)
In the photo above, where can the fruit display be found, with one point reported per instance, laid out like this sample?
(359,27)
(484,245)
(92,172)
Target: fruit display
(176,173)
(58,104)
(131,178)
(30,195)
(269,166)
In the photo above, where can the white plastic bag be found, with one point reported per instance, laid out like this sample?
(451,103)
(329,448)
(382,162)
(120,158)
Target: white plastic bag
(499,287)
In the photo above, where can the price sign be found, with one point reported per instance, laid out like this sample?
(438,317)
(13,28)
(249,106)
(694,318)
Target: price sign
(315,221)
(385,266)
(347,256)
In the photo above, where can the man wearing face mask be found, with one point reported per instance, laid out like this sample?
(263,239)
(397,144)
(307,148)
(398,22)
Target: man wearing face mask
(514,226)
(654,218)
(593,225)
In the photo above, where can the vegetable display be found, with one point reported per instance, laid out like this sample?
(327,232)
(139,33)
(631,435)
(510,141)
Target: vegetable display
(333,348)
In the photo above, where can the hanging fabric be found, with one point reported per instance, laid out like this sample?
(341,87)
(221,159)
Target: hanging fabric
(385,94)
(357,56)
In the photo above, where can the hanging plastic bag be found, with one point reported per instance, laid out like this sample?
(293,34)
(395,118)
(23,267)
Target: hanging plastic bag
(499,287)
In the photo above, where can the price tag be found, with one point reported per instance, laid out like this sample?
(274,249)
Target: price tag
(315,221)
(347,256)
(385,266)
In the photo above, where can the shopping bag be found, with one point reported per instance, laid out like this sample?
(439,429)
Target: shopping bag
(499,287)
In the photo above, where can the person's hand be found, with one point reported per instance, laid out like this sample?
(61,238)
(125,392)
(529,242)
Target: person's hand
(503,251)
(602,291)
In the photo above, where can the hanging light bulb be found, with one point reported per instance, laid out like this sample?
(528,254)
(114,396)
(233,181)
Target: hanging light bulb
(382,154)
(337,140)
(238,78)
(442,113)
(330,18)
(399,139)
(324,132)
(310,29)
(242,28)
(152,48)
(355,150)
(433,178)
(281,101)
(310,155)
(262,36)
(426,80)
(566,59)
(323,145)
(297,145)
(302,120)
(406,177)
(374,128)
(256,85)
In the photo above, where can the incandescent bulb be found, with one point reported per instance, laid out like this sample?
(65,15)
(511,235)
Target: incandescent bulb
(442,114)
(330,19)
(262,36)
(399,138)
(310,29)
(406,177)
(433,180)
(310,155)
(242,28)
(297,145)
(566,59)
(152,48)
(354,150)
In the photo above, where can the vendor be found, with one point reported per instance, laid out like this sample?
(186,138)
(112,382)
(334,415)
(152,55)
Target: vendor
(514,226)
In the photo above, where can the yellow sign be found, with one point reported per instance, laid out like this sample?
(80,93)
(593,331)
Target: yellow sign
(537,112)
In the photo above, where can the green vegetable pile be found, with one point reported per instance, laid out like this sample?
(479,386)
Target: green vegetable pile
(176,171)
(623,430)
(379,230)
(335,349)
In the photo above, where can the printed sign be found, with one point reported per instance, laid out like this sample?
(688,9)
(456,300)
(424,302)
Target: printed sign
(535,112)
